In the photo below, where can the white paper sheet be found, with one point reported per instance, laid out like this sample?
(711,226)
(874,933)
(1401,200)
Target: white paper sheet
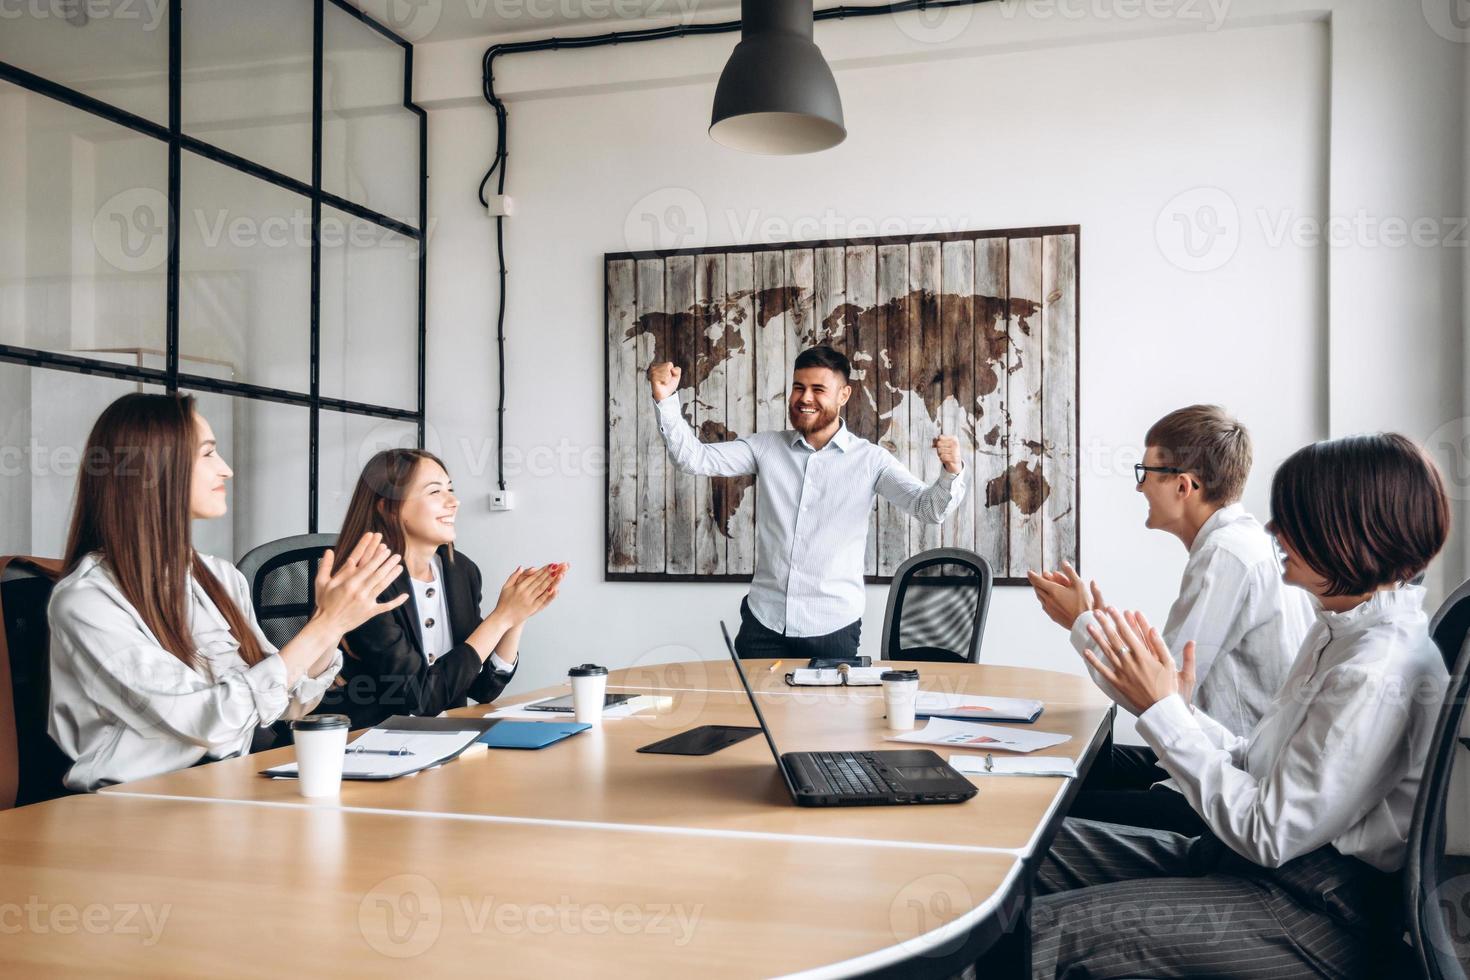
(382,754)
(974,707)
(1009,765)
(942,731)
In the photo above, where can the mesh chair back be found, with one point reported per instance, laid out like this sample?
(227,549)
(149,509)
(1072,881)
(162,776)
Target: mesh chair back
(31,766)
(281,575)
(1450,624)
(937,606)
(1437,863)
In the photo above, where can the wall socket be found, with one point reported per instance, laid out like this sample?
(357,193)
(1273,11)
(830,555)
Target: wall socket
(502,500)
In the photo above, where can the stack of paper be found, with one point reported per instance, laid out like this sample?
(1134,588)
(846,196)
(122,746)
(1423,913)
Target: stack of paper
(942,731)
(968,707)
(1009,765)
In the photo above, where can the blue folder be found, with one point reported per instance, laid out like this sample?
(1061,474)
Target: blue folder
(508,734)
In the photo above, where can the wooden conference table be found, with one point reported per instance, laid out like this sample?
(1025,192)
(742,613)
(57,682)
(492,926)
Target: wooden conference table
(584,857)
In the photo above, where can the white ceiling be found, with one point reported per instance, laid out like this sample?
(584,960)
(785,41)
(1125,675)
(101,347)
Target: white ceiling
(447,20)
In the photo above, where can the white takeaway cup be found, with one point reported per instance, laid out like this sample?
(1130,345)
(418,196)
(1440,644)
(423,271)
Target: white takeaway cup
(589,691)
(900,691)
(321,745)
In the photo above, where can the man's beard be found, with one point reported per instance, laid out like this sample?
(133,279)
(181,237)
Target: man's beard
(812,423)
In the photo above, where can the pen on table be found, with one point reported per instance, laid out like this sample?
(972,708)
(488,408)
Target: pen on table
(772,669)
(398,751)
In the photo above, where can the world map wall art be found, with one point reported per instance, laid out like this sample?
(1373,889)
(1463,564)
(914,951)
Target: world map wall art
(972,334)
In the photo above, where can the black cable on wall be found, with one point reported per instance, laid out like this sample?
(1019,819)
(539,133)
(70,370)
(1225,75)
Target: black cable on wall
(498,164)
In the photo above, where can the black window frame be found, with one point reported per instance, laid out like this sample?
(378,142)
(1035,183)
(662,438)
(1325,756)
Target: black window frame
(176,141)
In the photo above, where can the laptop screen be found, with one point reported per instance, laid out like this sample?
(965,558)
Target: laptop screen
(765,729)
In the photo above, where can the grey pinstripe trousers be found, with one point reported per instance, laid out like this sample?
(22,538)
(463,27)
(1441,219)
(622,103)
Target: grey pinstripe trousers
(1116,901)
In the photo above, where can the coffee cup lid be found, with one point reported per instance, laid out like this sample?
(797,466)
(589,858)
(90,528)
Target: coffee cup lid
(320,723)
(586,670)
(900,675)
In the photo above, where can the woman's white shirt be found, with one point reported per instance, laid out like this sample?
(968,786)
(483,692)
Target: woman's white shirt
(1339,754)
(433,612)
(125,708)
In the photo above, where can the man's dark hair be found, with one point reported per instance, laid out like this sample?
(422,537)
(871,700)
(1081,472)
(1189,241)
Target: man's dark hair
(1205,441)
(824,357)
(1363,512)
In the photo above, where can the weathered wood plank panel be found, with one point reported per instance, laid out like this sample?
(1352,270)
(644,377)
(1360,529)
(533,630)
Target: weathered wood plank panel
(957,316)
(622,417)
(926,353)
(973,336)
(713,371)
(1059,382)
(683,351)
(861,329)
(892,391)
(653,344)
(992,365)
(1024,485)
(773,319)
(740,408)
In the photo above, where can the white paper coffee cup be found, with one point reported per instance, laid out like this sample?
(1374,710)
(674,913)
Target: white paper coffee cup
(589,691)
(900,691)
(321,744)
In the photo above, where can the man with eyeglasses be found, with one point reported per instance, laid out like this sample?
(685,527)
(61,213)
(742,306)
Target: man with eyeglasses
(1246,626)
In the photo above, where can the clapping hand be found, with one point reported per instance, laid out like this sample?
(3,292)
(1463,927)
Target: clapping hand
(1063,595)
(347,594)
(1131,656)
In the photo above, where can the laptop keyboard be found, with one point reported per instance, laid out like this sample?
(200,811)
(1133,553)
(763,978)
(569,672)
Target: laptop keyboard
(852,774)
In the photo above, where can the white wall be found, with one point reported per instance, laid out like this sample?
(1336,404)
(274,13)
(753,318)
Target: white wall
(1021,119)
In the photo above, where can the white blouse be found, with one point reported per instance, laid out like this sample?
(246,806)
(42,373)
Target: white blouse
(125,708)
(1338,756)
(433,612)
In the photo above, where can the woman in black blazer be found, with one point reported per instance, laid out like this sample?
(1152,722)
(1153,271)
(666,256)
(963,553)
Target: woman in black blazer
(435,649)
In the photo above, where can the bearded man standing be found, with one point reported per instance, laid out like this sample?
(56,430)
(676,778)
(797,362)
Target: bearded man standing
(815,485)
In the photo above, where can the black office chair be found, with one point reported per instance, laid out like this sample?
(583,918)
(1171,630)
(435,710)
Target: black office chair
(1450,623)
(937,606)
(281,574)
(31,766)
(1436,884)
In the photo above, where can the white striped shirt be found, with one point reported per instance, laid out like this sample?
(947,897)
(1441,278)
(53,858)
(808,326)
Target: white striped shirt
(811,529)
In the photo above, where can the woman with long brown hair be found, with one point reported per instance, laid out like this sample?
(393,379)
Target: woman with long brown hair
(157,661)
(435,650)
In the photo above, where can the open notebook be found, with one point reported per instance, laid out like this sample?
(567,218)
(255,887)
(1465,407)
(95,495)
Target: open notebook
(401,745)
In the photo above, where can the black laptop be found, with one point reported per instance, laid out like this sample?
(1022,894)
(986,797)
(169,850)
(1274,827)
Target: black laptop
(860,778)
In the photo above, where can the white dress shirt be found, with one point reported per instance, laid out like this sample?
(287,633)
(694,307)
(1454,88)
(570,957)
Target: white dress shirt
(1246,624)
(1338,756)
(433,611)
(124,707)
(811,529)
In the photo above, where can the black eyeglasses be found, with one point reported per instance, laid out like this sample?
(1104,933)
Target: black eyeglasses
(1141,472)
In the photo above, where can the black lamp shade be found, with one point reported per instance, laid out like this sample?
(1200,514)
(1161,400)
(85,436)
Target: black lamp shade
(776,94)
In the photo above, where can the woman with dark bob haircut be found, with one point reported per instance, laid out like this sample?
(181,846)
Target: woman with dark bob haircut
(1302,824)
